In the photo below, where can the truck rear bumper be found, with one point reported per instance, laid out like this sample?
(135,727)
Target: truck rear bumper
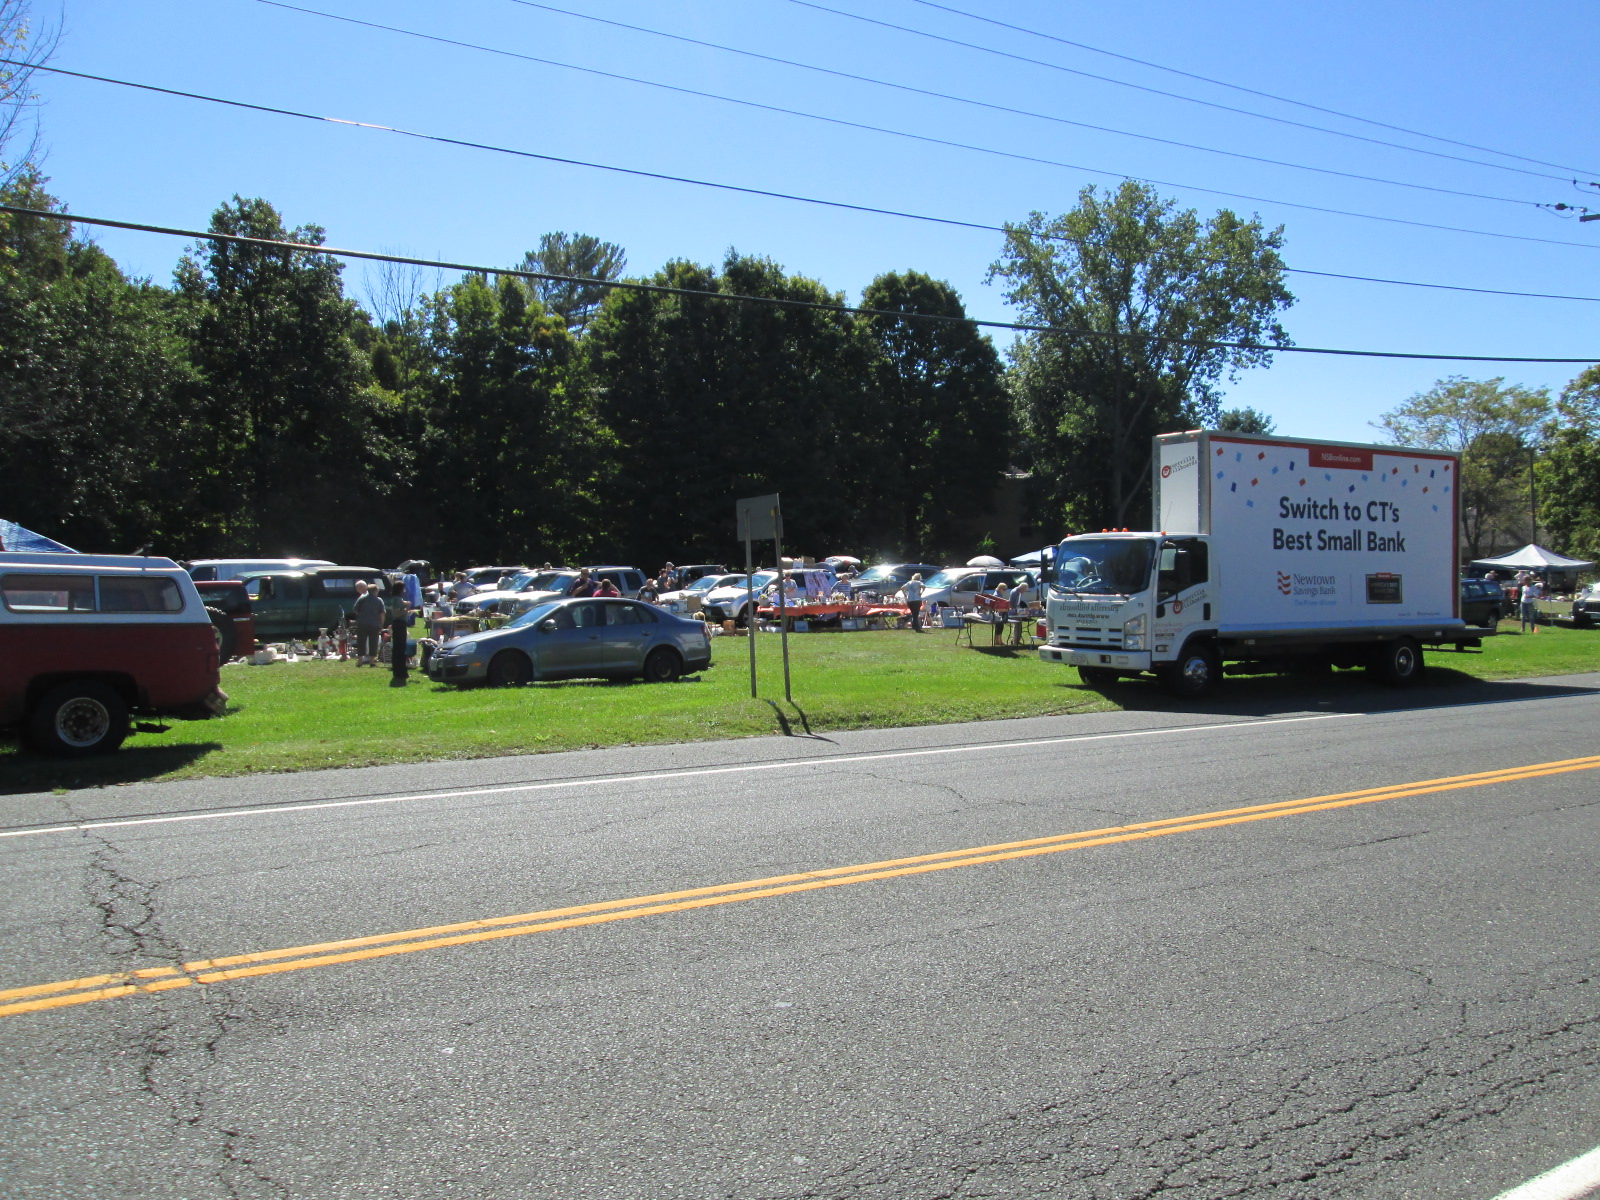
(1111,660)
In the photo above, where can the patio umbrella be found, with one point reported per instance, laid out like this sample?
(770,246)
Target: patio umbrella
(985,560)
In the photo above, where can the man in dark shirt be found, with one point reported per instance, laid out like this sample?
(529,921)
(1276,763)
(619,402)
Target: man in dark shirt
(585,586)
(368,612)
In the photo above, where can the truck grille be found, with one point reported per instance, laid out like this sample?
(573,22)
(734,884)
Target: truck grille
(1091,637)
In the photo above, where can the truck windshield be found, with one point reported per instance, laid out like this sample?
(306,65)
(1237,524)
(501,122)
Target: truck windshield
(1104,566)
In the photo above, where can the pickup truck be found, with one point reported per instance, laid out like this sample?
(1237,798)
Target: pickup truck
(296,604)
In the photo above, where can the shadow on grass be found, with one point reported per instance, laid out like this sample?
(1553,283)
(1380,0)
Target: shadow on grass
(24,771)
(1348,691)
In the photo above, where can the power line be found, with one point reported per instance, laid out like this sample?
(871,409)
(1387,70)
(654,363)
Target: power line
(1249,91)
(1037,62)
(900,133)
(753,191)
(665,289)
(1446,287)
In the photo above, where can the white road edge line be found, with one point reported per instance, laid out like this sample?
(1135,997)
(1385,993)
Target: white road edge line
(648,777)
(1569,1181)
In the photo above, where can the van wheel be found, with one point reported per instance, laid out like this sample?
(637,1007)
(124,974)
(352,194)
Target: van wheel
(1195,673)
(662,666)
(227,635)
(77,719)
(1398,663)
(510,668)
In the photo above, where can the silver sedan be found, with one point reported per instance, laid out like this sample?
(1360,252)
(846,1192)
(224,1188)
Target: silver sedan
(574,639)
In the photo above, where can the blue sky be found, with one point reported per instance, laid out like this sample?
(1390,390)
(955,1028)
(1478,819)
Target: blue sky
(1515,78)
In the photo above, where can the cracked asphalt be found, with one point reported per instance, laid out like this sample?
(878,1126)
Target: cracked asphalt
(1395,999)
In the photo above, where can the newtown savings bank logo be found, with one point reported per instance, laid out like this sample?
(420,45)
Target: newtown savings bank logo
(1285,582)
(1308,589)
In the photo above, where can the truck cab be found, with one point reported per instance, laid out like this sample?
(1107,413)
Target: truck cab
(1126,603)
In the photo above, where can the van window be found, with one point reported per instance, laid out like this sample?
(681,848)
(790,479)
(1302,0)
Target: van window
(129,595)
(48,593)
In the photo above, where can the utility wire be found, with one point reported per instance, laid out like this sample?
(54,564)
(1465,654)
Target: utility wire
(1037,62)
(664,289)
(1249,91)
(752,191)
(900,133)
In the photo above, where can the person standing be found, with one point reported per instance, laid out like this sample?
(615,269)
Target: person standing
(584,586)
(1018,608)
(368,612)
(913,594)
(1531,593)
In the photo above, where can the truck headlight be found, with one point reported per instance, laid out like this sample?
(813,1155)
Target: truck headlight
(1133,633)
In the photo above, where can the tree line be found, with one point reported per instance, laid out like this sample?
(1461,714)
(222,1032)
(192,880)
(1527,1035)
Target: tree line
(251,406)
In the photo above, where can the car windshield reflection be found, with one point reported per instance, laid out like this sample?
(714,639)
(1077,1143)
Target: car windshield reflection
(533,616)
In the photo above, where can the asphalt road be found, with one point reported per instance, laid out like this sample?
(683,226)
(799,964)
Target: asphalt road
(1386,994)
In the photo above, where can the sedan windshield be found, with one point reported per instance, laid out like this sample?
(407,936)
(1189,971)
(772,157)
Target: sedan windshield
(533,616)
(1114,567)
(539,581)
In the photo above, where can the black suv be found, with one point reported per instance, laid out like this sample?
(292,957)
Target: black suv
(1483,603)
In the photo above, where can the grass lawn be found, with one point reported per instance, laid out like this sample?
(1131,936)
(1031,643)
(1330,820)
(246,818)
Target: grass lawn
(309,715)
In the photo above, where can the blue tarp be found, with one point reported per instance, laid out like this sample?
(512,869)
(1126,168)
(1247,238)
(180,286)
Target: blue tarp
(15,537)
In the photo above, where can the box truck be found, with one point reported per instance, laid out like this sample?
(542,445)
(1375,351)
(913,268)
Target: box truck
(1271,554)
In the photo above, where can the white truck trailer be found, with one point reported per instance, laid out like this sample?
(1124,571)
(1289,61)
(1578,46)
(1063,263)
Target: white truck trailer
(1272,554)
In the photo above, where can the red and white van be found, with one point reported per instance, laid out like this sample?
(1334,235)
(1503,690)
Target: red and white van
(87,640)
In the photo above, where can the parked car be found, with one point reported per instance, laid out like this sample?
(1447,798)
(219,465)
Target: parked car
(488,578)
(688,599)
(88,640)
(697,571)
(956,587)
(628,579)
(885,579)
(296,604)
(1483,602)
(233,617)
(730,603)
(1586,607)
(571,639)
(523,582)
(237,568)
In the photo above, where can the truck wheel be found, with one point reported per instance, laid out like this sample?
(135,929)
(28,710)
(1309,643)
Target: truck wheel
(1195,673)
(77,719)
(1398,663)
(227,635)
(510,668)
(1097,677)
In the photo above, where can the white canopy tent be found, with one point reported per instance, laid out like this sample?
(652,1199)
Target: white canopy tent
(1533,558)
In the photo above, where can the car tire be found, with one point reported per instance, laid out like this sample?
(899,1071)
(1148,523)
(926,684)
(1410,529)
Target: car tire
(227,635)
(662,665)
(1493,619)
(1097,677)
(510,668)
(1398,663)
(73,720)
(1196,672)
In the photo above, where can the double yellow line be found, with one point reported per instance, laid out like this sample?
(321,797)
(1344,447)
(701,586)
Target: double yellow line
(326,954)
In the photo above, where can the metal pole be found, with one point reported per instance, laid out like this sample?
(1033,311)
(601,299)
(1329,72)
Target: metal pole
(783,622)
(1533,501)
(750,612)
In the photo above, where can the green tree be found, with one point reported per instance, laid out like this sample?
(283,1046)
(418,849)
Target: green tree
(1143,293)
(26,48)
(1245,420)
(93,374)
(713,399)
(940,417)
(516,456)
(582,256)
(1494,427)
(303,451)
(1569,470)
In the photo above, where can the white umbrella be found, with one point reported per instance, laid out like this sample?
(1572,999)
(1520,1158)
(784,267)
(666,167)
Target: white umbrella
(985,560)
(842,558)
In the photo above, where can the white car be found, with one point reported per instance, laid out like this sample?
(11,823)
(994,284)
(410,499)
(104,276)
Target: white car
(516,588)
(956,587)
(687,601)
(732,604)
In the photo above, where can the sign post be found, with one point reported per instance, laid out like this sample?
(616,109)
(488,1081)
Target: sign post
(760,517)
